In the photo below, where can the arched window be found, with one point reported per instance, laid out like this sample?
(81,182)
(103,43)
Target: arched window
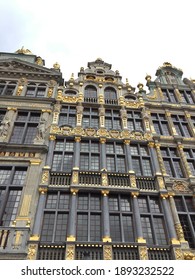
(90,94)
(110,95)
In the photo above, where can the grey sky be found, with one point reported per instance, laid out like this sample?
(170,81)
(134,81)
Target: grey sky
(135,36)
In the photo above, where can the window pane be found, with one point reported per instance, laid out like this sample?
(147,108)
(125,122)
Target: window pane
(11,207)
(128,229)
(48,227)
(82,227)
(115,230)
(61,227)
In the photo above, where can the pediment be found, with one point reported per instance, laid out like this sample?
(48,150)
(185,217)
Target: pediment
(18,66)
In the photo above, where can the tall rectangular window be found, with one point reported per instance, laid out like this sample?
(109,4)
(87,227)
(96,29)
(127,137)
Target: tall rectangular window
(112,119)
(67,116)
(90,156)
(25,127)
(90,118)
(160,124)
(89,217)
(115,157)
(172,162)
(134,120)
(190,155)
(55,219)
(141,160)
(181,125)
(121,218)
(186,210)
(152,220)
(63,155)
(12,180)
(187,96)
(169,95)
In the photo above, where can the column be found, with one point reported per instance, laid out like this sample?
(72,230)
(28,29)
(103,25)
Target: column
(184,160)
(77,153)
(178,227)
(71,230)
(156,166)
(168,217)
(102,153)
(79,109)
(49,159)
(137,219)
(102,116)
(123,114)
(36,232)
(190,123)
(170,122)
(106,218)
(160,159)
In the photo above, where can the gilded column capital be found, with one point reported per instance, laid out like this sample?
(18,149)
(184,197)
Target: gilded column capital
(77,139)
(171,194)
(43,190)
(164,195)
(52,137)
(35,161)
(105,192)
(102,140)
(151,144)
(74,191)
(126,142)
(12,109)
(46,111)
(134,194)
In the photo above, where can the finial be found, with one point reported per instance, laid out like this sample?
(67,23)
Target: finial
(56,66)
(23,51)
(148,78)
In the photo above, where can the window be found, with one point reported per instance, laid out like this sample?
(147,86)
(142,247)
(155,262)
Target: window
(160,124)
(134,120)
(90,156)
(181,125)
(172,162)
(169,95)
(190,155)
(67,116)
(11,182)
(90,94)
(90,118)
(141,160)
(187,96)
(89,217)
(63,155)
(121,218)
(186,210)
(2,114)
(115,157)
(112,119)
(55,220)
(25,127)
(7,88)
(34,90)
(110,96)
(152,219)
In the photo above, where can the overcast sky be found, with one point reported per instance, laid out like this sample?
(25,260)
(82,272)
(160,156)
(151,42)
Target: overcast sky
(135,36)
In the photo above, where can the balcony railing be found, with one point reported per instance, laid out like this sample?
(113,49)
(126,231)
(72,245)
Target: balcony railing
(89,253)
(119,180)
(159,254)
(60,179)
(90,178)
(146,183)
(51,253)
(125,253)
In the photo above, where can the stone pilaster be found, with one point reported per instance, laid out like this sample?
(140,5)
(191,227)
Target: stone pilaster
(106,220)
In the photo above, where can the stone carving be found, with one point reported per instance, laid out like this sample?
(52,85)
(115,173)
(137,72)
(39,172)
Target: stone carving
(107,252)
(41,129)
(4,127)
(32,252)
(181,186)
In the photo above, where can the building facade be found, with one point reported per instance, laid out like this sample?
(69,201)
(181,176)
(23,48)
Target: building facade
(93,168)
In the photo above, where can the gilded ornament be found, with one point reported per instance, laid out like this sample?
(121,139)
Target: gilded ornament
(90,132)
(70,251)
(45,177)
(107,250)
(178,253)
(104,179)
(181,186)
(75,177)
(143,252)
(179,231)
(19,90)
(102,132)
(32,249)
(133,181)
(114,133)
